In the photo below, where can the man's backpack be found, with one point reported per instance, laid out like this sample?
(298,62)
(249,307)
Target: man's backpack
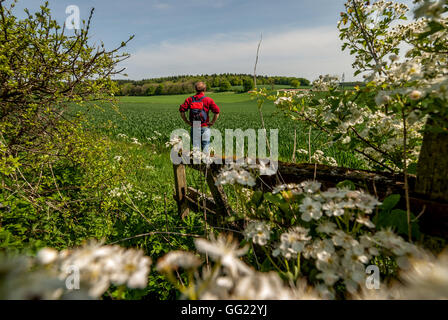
(197,112)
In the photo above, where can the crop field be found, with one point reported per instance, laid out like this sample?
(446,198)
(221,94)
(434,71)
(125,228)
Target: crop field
(140,117)
(152,119)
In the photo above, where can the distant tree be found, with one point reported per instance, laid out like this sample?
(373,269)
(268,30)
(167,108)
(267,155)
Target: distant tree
(185,83)
(159,90)
(225,85)
(216,82)
(304,82)
(138,91)
(127,89)
(248,84)
(295,83)
(236,81)
(148,89)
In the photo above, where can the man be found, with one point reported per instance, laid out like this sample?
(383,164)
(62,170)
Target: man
(199,121)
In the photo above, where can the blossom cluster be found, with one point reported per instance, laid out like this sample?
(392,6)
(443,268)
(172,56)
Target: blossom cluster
(231,278)
(336,235)
(100,266)
(425,276)
(244,173)
(90,270)
(375,135)
(319,157)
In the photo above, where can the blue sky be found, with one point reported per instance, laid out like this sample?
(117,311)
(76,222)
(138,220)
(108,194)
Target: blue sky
(300,37)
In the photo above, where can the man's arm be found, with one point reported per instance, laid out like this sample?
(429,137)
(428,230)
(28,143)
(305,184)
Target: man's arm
(215,109)
(182,114)
(215,117)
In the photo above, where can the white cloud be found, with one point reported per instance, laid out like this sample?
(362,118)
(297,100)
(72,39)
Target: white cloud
(304,52)
(162,5)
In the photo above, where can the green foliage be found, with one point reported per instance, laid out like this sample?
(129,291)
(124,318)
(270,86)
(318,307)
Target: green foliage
(248,84)
(295,83)
(185,84)
(396,219)
(54,172)
(225,85)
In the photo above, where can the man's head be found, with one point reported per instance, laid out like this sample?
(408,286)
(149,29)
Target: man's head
(200,87)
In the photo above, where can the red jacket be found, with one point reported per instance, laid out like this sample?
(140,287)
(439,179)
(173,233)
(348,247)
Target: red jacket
(209,104)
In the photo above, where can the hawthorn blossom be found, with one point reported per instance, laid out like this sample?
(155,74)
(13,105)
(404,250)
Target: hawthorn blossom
(310,209)
(225,250)
(258,231)
(292,242)
(178,259)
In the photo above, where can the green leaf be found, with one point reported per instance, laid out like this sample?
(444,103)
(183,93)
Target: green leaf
(266,265)
(278,200)
(346,184)
(390,202)
(397,220)
(257,198)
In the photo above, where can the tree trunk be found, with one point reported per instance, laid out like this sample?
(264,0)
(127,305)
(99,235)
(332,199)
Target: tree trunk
(432,170)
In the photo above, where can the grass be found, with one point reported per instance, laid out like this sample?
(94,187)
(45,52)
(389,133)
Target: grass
(140,117)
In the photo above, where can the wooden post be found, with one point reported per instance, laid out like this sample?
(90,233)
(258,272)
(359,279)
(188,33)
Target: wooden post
(222,206)
(180,183)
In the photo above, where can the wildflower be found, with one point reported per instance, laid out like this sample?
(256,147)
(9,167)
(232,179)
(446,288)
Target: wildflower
(135,141)
(176,143)
(292,242)
(267,171)
(269,286)
(323,250)
(178,259)
(258,231)
(365,221)
(282,100)
(415,94)
(100,266)
(333,208)
(235,174)
(47,255)
(225,250)
(341,239)
(310,209)
(310,186)
(328,277)
(334,193)
(279,188)
(365,202)
(382,98)
(293,187)
(326,227)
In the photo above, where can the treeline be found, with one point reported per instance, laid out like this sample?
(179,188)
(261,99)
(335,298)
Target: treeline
(216,82)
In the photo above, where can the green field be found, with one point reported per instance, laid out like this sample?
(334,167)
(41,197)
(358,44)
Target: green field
(139,117)
(142,117)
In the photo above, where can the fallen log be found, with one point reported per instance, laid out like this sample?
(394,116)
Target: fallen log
(434,217)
